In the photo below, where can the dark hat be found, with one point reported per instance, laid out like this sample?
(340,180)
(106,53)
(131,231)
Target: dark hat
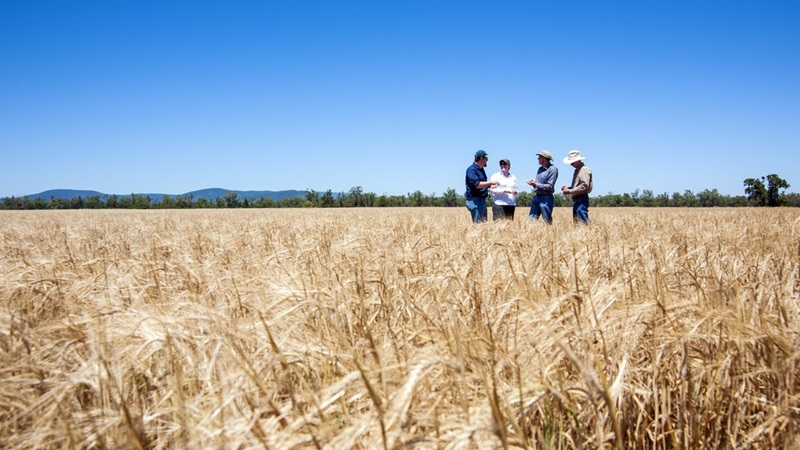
(481,154)
(505,161)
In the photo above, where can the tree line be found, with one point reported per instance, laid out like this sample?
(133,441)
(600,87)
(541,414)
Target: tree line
(764,191)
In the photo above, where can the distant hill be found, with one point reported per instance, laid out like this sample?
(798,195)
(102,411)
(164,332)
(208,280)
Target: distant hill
(208,194)
(65,194)
(214,193)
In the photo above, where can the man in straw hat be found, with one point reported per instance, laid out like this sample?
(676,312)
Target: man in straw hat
(478,187)
(544,185)
(580,188)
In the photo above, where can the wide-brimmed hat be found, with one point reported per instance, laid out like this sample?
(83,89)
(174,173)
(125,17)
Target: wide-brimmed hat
(546,154)
(481,154)
(573,156)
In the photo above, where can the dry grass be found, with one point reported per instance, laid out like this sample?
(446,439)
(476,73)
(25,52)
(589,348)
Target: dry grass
(400,328)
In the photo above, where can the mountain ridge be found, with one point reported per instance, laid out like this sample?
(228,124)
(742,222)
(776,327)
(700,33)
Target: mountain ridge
(208,194)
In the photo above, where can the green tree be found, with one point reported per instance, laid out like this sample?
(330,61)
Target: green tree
(183,201)
(231,200)
(124,202)
(689,198)
(564,200)
(354,198)
(10,203)
(167,202)
(57,203)
(292,202)
(370,198)
(662,200)
(398,200)
(766,191)
(417,198)
(737,200)
(140,201)
(756,192)
(264,202)
(450,197)
(383,201)
(94,202)
(647,198)
(709,198)
(327,200)
(792,200)
(523,199)
(628,200)
(37,203)
(775,185)
(312,197)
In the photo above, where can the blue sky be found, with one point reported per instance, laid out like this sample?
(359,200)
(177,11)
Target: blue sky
(394,96)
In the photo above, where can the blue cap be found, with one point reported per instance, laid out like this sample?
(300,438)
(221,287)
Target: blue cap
(481,154)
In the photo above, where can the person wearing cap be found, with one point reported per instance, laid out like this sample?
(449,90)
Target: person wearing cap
(478,187)
(505,193)
(544,185)
(580,188)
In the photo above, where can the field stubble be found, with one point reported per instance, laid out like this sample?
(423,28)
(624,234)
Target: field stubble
(399,328)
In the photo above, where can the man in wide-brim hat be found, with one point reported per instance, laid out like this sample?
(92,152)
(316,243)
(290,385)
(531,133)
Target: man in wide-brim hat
(580,188)
(544,186)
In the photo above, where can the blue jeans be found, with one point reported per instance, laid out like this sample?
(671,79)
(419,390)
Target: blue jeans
(580,209)
(542,205)
(477,208)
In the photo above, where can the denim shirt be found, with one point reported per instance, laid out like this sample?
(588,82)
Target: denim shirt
(475,174)
(546,179)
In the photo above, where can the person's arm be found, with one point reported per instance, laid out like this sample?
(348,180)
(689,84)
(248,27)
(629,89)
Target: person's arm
(493,188)
(475,180)
(532,182)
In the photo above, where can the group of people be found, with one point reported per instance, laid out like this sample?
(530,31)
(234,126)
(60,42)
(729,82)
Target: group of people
(503,188)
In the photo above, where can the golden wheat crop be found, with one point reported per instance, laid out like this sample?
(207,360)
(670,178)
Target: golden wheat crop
(399,328)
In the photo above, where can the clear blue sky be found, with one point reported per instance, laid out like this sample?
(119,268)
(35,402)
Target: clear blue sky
(395,96)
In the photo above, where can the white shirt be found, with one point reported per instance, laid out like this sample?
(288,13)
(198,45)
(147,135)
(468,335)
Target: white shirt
(506,183)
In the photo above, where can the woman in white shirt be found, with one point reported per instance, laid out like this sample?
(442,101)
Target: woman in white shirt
(505,193)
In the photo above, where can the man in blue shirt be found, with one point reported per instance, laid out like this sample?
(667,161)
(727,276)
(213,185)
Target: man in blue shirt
(478,187)
(543,187)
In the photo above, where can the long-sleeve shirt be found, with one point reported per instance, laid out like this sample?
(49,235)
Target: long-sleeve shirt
(546,178)
(507,183)
(581,181)
(475,174)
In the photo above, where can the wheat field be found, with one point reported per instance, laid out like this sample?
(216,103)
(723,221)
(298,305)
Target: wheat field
(398,329)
